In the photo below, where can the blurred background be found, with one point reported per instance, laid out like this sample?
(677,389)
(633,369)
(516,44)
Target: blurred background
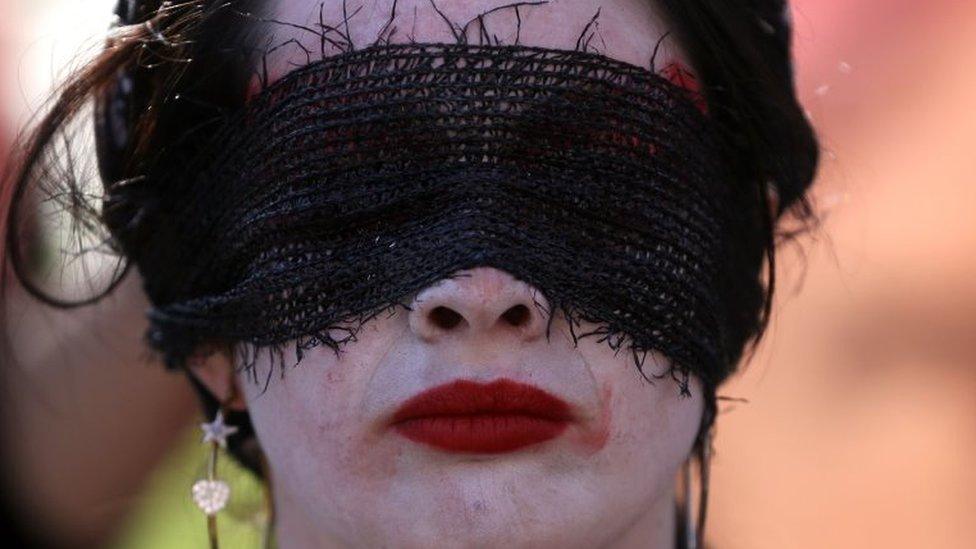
(860,424)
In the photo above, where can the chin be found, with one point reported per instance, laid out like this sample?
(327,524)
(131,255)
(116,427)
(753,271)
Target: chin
(493,509)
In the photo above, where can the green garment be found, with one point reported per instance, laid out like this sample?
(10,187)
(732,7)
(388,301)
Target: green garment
(165,516)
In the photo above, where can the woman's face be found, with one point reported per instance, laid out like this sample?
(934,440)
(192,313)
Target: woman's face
(579,450)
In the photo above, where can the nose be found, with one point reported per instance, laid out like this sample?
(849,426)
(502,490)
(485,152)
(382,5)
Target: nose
(478,302)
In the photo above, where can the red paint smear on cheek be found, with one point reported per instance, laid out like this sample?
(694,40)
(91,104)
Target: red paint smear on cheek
(680,75)
(594,436)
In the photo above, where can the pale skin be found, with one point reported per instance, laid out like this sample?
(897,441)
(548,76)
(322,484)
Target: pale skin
(342,478)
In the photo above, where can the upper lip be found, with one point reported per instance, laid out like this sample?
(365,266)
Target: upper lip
(499,397)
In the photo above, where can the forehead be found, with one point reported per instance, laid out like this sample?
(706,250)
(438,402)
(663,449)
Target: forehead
(627,30)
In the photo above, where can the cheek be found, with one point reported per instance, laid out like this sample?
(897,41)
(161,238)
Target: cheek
(300,419)
(642,428)
(658,418)
(309,421)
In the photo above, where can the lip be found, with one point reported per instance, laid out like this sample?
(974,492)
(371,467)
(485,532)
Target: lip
(486,418)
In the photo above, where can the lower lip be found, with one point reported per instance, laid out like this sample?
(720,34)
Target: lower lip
(481,433)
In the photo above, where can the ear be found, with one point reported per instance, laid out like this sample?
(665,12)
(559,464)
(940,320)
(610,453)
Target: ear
(215,370)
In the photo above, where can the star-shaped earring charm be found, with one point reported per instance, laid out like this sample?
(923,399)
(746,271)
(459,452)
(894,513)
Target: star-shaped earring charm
(217,431)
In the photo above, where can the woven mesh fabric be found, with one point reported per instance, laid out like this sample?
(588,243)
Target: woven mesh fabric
(358,180)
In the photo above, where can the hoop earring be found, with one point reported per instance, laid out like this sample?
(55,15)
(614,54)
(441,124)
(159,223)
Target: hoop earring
(704,472)
(695,530)
(691,533)
(211,494)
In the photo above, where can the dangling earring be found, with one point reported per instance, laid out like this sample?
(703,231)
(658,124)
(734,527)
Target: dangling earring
(210,494)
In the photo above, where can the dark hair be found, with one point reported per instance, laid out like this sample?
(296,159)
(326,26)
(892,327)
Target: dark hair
(172,68)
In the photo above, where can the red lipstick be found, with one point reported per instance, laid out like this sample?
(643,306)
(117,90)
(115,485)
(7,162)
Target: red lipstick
(490,418)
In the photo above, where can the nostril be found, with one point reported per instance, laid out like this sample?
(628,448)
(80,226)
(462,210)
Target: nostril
(445,318)
(517,315)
